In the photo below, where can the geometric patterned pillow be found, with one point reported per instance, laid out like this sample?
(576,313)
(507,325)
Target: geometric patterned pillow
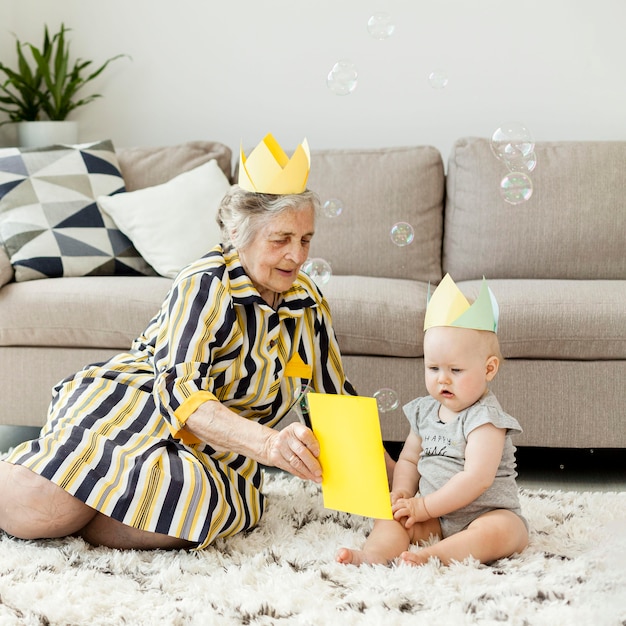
(50,223)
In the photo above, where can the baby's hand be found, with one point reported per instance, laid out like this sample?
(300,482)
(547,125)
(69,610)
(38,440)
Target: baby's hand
(411,510)
(396,495)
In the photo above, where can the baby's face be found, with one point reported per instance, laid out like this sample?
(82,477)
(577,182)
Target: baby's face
(458,366)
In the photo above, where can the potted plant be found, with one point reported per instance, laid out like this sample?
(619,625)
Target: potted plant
(44,87)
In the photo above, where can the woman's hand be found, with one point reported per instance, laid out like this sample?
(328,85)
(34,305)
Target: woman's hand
(295,449)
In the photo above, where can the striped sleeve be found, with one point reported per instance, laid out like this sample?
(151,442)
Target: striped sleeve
(195,321)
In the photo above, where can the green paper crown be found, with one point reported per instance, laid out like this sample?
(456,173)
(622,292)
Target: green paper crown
(449,307)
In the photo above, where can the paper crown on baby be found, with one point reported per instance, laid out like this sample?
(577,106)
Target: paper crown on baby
(449,307)
(267,169)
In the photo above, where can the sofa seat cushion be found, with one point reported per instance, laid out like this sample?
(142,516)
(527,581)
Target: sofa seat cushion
(82,312)
(559,319)
(372,316)
(377,316)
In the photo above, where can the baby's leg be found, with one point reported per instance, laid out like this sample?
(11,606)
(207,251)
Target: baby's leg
(387,541)
(491,536)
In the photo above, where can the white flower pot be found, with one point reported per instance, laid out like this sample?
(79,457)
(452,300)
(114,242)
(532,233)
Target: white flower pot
(39,134)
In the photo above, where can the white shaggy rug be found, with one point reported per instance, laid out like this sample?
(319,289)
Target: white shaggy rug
(283,572)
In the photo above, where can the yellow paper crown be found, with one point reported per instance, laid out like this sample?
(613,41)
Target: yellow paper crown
(449,307)
(267,169)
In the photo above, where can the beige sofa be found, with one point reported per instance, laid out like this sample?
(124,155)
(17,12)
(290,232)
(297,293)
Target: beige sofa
(556,263)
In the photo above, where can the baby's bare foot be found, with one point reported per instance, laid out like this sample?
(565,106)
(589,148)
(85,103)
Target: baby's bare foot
(415,558)
(359,557)
(348,557)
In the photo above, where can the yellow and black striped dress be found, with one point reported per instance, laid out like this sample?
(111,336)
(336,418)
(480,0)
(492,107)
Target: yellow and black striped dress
(115,434)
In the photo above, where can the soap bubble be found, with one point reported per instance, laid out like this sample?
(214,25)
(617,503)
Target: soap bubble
(318,269)
(300,403)
(380,26)
(516,187)
(512,142)
(521,163)
(332,207)
(386,399)
(438,79)
(342,78)
(402,234)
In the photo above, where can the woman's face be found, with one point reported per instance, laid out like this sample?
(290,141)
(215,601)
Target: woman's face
(274,256)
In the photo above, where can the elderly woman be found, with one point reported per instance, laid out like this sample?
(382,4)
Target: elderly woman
(161,446)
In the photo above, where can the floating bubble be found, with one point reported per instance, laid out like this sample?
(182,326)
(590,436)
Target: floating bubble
(386,399)
(332,207)
(521,163)
(318,269)
(300,403)
(512,142)
(516,187)
(438,79)
(380,26)
(402,234)
(342,78)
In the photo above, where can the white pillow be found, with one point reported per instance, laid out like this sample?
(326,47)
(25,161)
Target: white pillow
(171,224)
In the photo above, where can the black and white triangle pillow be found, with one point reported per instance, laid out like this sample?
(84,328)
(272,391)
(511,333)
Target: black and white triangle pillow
(50,224)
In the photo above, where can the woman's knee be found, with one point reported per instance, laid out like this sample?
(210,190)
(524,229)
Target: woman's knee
(32,507)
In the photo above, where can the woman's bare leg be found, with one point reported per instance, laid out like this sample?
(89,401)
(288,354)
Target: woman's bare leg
(491,536)
(387,541)
(32,507)
(108,532)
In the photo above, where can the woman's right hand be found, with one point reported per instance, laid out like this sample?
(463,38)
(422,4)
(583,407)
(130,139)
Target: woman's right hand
(295,449)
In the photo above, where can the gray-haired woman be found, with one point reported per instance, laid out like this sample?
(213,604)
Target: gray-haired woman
(161,446)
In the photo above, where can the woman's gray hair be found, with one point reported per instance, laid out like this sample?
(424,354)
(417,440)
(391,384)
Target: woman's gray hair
(242,214)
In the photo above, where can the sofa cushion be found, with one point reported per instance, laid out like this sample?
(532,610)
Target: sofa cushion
(371,316)
(172,224)
(85,312)
(379,188)
(148,166)
(377,316)
(559,319)
(572,227)
(6,269)
(49,221)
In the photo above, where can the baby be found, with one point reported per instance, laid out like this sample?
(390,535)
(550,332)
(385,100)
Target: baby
(458,457)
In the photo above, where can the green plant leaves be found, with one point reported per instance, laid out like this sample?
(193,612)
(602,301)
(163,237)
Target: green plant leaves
(48,88)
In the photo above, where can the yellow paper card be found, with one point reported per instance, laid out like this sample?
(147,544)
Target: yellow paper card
(352,456)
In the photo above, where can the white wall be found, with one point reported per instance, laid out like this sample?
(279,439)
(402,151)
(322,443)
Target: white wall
(234,70)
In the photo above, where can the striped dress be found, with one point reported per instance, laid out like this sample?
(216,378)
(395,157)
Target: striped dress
(115,434)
